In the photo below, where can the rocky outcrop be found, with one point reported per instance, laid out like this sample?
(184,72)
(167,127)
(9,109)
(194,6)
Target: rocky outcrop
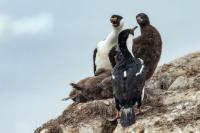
(171,105)
(90,117)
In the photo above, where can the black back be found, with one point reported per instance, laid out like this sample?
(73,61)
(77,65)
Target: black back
(127,87)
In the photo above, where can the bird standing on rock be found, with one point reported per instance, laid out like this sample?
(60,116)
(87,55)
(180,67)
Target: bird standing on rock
(128,79)
(147,46)
(101,53)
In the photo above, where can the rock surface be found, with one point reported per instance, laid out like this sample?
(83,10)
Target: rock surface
(171,105)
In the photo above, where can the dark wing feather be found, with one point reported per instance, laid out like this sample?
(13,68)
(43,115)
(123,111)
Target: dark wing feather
(94,58)
(111,56)
(130,87)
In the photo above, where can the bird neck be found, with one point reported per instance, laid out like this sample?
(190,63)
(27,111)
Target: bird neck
(123,48)
(113,36)
(142,26)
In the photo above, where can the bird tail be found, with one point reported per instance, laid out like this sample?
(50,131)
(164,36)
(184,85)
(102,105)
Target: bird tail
(127,116)
(76,86)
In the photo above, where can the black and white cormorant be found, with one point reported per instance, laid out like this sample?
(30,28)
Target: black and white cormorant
(128,78)
(101,52)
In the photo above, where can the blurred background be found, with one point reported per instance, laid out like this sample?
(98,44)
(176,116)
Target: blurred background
(45,44)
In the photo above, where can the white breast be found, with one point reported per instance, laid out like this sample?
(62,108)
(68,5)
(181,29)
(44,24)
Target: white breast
(129,43)
(103,49)
(102,59)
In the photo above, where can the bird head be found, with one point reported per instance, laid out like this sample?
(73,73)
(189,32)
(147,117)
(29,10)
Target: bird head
(142,19)
(125,33)
(117,21)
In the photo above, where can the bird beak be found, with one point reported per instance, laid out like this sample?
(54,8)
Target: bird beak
(114,21)
(133,29)
(139,19)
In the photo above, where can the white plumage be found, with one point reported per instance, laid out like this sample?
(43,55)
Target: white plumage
(104,47)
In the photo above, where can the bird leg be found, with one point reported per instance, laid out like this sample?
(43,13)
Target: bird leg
(115,118)
(117,109)
(118,115)
(139,109)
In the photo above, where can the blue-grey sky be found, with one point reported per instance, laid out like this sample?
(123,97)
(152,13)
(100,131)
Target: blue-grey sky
(45,44)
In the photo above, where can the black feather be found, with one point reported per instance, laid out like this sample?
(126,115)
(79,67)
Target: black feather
(111,56)
(127,117)
(94,58)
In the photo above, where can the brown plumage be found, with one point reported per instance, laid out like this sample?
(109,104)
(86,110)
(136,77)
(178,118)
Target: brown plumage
(147,46)
(91,88)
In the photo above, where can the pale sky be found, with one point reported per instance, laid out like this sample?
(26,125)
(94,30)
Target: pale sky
(46,44)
